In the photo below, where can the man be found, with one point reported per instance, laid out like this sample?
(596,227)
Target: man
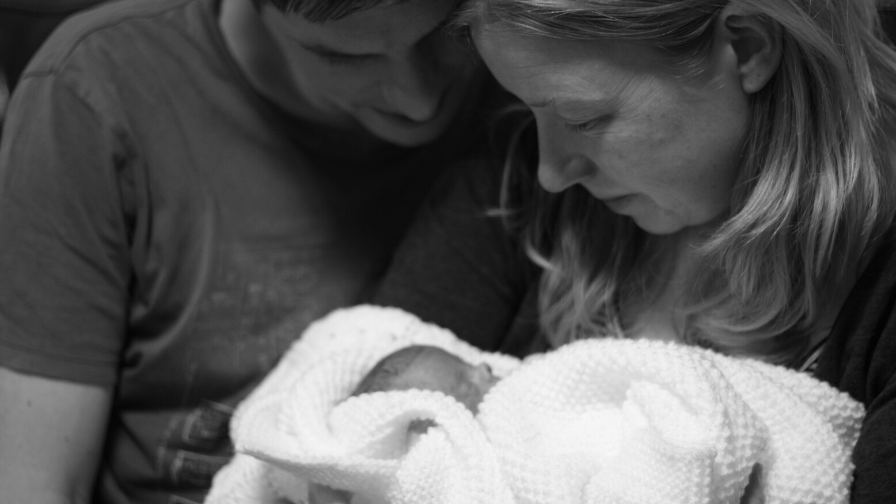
(184,184)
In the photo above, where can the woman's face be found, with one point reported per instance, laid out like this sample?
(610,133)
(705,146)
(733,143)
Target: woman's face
(661,149)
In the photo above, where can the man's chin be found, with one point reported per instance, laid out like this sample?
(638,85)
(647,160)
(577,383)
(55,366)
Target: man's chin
(414,138)
(406,135)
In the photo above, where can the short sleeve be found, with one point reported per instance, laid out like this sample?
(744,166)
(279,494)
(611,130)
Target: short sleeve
(64,254)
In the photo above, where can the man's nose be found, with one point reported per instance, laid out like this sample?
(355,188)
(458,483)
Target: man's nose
(560,166)
(415,88)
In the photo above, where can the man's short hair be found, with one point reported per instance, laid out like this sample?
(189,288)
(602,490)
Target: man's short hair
(321,11)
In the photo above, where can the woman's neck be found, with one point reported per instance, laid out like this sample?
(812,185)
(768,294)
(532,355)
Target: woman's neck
(657,313)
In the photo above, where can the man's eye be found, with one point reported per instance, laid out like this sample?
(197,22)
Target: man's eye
(338,60)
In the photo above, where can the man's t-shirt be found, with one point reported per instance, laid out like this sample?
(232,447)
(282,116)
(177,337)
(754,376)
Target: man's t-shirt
(460,268)
(166,231)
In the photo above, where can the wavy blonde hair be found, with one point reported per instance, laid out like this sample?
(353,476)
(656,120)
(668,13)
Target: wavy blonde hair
(815,190)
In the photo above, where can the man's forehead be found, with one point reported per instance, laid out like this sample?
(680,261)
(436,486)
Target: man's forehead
(380,28)
(322,11)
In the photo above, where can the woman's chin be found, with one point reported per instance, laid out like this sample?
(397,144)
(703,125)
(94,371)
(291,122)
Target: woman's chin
(657,226)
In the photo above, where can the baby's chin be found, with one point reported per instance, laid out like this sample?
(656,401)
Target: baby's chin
(420,426)
(472,401)
(416,429)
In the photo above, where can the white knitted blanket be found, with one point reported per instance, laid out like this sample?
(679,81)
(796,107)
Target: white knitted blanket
(597,421)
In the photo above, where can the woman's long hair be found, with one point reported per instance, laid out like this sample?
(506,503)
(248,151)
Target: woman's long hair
(815,189)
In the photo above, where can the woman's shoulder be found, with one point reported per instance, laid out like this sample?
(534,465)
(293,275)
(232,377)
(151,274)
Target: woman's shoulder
(860,359)
(860,355)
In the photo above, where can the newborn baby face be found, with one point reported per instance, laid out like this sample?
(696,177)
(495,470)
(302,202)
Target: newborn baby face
(435,369)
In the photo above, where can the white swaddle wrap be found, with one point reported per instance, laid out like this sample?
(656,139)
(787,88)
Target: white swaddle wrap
(597,421)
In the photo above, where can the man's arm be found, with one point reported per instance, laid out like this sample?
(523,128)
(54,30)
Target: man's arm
(460,269)
(51,438)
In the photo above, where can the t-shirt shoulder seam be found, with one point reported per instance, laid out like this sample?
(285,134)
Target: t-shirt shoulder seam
(120,135)
(56,67)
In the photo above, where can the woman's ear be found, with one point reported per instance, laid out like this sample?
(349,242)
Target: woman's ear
(756,44)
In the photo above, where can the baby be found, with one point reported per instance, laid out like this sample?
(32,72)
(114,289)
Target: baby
(427,367)
(421,367)
(599,420)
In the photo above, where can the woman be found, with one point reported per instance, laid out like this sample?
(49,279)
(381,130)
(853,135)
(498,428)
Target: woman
(714,172)
(701,131)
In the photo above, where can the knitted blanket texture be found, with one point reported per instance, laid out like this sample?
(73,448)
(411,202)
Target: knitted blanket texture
(596,421)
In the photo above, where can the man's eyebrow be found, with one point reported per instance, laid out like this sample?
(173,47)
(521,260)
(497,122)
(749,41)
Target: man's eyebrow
(328,52)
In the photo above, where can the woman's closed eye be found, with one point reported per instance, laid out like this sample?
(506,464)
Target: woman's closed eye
(586,126)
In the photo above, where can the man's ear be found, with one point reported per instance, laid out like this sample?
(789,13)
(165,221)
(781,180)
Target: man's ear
(756,44)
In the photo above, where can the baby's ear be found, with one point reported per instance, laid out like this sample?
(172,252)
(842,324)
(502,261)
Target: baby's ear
(484,368)
(756,44)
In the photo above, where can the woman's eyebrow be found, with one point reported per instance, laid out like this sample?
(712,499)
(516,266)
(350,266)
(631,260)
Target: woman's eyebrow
(573,106)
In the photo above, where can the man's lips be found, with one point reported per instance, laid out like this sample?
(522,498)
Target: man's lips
(402,119)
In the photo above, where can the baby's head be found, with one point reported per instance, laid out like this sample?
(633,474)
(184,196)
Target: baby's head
(430,368)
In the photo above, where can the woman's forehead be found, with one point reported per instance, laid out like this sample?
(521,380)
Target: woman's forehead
(567,74)
(504,49)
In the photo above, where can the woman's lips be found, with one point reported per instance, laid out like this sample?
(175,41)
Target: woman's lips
(618,203)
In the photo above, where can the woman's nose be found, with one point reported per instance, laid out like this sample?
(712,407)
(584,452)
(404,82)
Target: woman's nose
(560,166)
